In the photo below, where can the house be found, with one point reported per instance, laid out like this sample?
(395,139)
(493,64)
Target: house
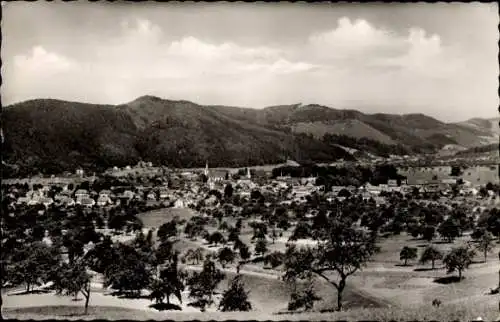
(164,194)
(336,189)
(450,181)
(151,196)
(46,201)
(103,200)
(215,175)
(79,172)
(179,203)
(87,202)
(35,200)
(81,193)
(128,194)
(105,193)
(67,201)
(392,183)
(22,200)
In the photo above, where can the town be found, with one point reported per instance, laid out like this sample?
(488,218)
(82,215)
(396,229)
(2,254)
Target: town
(246,223)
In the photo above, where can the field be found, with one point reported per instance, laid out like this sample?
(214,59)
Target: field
(384,289)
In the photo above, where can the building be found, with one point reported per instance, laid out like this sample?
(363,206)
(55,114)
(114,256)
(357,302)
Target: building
(81,193)
(87,202)
(103,200)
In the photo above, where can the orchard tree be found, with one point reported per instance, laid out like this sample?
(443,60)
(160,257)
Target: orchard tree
(342,249)
(303,297)
(194,255)
(407,253)
(275,259)
(428,232)
(228,191)
(449,230)
(225,256)
(485,244)
(431,254)
(130,272)
(216,238)
(33,264)
(244,252)
(73,278)
(167,230)
(261,246)
(458,259)
(169,283)
(235,298)
(203,284)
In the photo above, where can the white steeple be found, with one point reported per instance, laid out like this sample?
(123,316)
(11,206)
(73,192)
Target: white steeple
(249,175)
(206,169)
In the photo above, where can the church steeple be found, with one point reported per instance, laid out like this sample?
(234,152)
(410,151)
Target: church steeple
(206,169)
(249,175)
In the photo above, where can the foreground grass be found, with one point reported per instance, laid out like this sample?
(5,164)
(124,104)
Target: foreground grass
(428,313)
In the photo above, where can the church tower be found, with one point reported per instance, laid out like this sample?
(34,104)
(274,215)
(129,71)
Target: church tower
(249,175)
(206,169)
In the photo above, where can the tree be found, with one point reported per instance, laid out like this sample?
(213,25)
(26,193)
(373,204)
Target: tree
(458,259)
(302,231)
(239,224)
(167,230)
(203,284)
(430,254)
(408,253)
(169,283)
(341,249)
(485,244)
(303,297)
(428,232)
(225,255)
(72,279)
(449,230)
(261,246)
(33,264)
(130,272)
(275,259)
(193,229)
(164,251)
(455,171)
(233,235)
(235,298)
(194,255)
(102,256)
(244,252)
(224,226)
(216,238)
(228,191)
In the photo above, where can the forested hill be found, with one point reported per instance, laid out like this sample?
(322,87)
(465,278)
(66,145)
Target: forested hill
(53,135)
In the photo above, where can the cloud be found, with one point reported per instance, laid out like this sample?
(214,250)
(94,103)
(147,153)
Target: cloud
(359,44)
(142,43)
(354,60)
(354,38)
(43,61)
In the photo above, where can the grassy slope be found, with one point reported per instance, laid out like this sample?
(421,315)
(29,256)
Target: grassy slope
(454,312)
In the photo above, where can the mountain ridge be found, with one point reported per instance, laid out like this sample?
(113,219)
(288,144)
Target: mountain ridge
(57,134)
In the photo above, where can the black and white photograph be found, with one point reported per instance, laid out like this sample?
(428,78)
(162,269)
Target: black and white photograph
(272,161)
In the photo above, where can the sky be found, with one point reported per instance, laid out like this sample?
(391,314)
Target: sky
(439,59)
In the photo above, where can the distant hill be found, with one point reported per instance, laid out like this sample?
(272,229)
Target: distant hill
(54,135)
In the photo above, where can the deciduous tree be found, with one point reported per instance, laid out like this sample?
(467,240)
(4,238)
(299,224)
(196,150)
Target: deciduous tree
(407,253)
(72,279)
(431,254)
(342,249)
(485,244)
(235,298)
(458,259)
